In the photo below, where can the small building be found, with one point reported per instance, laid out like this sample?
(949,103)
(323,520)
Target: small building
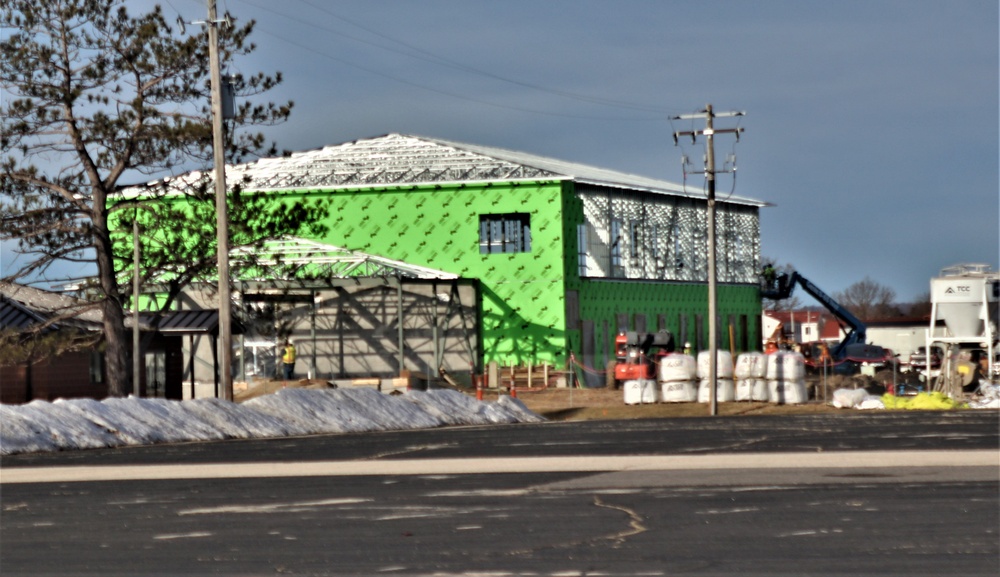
(903,335)
(801,326)
(52,347)
(44,353)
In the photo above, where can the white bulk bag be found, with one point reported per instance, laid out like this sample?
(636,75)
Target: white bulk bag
(787,392)
(679,391)
(786,366)
(676,367)
(751,390)
(751,365)
(723,364)
(639,391)
(725,391)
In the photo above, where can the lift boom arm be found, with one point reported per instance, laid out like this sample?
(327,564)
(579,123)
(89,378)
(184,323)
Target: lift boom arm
(786,284)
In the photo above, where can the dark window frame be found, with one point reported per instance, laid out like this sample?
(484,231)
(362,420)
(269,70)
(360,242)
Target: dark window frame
(505,233)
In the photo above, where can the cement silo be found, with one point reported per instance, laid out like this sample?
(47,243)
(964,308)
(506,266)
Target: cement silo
(965,298)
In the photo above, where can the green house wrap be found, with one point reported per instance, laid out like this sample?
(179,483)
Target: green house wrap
(565,255)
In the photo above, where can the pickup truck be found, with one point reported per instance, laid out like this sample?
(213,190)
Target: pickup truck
(918,359)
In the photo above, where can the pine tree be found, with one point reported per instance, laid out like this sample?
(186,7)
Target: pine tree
(95,96)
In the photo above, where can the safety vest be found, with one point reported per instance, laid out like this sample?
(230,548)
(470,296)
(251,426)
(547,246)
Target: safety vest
(289,357)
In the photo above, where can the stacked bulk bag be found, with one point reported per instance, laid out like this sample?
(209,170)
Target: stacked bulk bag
(786,374)
(750,372)
(725,389)
(676,377)
(639,391)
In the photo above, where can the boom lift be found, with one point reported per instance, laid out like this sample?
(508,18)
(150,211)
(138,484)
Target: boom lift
(853,346)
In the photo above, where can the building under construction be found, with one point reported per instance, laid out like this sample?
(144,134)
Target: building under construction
(487,255)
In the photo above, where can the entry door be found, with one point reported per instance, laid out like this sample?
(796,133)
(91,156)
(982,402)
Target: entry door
(156,374)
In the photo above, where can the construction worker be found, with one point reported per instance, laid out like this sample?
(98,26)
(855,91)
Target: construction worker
(288,360)
(769,276)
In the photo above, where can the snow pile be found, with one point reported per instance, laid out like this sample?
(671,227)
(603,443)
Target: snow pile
(41,426)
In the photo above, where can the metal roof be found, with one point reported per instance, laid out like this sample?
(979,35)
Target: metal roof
(27,305)
(188,322)
(23,306)
(400,159)
(330,261)
(14,315)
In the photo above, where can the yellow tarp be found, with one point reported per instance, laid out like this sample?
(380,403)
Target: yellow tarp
(935,401)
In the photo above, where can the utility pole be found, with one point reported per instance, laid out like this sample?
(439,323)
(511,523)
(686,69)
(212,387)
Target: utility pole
(709,133)
(136,288)
(221,211)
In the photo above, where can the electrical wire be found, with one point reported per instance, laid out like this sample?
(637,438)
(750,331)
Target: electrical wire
(426,56)
(466,68)
(447,93)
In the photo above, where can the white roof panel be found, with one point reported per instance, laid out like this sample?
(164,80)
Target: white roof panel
(400,159)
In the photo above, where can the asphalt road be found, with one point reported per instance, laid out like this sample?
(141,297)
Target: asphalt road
(852,494)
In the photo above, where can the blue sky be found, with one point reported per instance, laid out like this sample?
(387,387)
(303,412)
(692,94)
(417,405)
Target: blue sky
(872,126)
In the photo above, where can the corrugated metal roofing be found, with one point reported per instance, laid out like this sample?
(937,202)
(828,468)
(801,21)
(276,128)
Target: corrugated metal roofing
(22,306)
(401,159)
(188,322)
(46,305)
(16,317)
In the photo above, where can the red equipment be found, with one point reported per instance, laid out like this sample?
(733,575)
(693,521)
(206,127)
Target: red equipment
(632,353)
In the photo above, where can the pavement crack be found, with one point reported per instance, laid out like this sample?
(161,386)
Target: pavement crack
(407,450)
(635,522)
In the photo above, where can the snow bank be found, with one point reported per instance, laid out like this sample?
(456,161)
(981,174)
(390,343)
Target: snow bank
(40,426)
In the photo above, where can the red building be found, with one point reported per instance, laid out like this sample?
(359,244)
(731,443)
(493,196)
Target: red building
(51,347)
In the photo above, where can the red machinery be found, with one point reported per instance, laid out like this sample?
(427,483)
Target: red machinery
(632,353)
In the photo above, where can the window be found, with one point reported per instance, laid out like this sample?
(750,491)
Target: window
(633,240)
(581,249)
(678,254)
(96,367)
(616,247)
(655,244)
(503,233)
(156,374)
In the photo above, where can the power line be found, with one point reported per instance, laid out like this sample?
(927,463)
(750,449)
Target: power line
(427,56)
(472,69)
(451,94)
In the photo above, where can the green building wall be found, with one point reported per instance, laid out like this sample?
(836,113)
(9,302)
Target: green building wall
(680,307)
(524,304)
(523,316)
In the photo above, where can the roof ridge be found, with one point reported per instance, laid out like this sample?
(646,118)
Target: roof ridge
(401,159)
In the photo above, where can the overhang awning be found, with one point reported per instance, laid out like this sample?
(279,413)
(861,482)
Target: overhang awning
(189,322)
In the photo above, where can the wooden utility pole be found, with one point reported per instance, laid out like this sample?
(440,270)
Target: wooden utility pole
(709,133)
(221,211)
(136,288)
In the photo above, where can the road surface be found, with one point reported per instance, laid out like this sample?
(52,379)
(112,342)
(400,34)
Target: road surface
(852,494)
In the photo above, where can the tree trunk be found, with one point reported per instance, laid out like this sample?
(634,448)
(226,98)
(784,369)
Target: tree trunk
(116,353)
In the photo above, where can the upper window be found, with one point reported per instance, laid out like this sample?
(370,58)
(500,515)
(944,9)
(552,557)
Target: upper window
(617,269)
(500,233)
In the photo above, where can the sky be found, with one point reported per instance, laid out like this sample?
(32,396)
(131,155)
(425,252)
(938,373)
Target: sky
(871,126)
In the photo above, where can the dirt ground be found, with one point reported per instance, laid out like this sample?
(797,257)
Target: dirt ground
(563,404)
(600,404)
